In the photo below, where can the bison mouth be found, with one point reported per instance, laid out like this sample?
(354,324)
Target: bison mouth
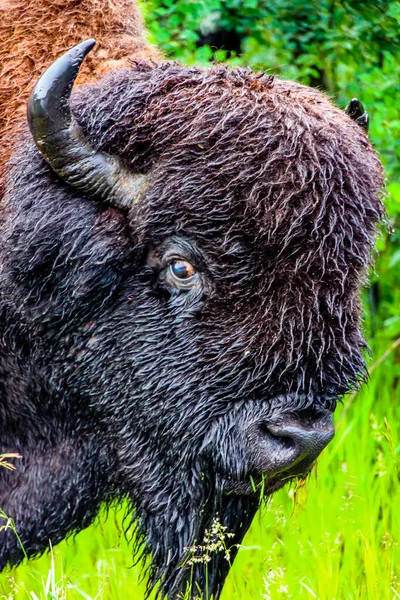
(265,485)
(260,486)
(216,492)
(206,499)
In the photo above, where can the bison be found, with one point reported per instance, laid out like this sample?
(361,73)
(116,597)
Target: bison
(182,252)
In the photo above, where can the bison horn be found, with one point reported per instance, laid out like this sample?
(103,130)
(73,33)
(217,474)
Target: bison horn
(62,143)
(356,111)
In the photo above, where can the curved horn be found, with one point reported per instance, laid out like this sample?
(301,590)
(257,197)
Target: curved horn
(356,111)
(62,143)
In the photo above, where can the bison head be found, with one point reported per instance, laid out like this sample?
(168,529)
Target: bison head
(182,255)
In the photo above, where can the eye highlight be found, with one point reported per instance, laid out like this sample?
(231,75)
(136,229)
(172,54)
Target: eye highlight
(179,267)
(182,269)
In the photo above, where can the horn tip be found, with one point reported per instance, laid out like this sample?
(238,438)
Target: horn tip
(354,107)
(48,104)
(86,46)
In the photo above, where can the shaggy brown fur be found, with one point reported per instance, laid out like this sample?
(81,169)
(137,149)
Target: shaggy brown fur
(33,33)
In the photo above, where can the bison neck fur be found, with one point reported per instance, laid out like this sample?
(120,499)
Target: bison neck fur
(115,386)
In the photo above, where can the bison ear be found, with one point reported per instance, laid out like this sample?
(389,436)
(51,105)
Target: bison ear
(62,143)
(356,111)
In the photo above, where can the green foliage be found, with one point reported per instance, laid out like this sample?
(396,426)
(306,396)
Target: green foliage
(382,298)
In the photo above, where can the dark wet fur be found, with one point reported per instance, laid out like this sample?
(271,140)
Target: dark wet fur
(112,387)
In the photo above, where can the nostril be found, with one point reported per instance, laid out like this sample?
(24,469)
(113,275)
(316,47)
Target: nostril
(290,443)
(285,440)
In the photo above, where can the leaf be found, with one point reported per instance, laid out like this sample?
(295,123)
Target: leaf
(395,259)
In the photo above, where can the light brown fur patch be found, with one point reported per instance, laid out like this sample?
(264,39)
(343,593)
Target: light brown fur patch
(33,33)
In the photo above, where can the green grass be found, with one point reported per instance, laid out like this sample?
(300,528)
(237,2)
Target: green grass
(336,538)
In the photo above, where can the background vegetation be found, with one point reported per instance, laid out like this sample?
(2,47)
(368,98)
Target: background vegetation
(338,536)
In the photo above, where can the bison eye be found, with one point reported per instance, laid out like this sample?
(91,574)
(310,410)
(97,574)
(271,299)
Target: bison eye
(182,269)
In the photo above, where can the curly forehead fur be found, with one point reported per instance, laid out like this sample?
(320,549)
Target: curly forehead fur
(279,187)
(273,194)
